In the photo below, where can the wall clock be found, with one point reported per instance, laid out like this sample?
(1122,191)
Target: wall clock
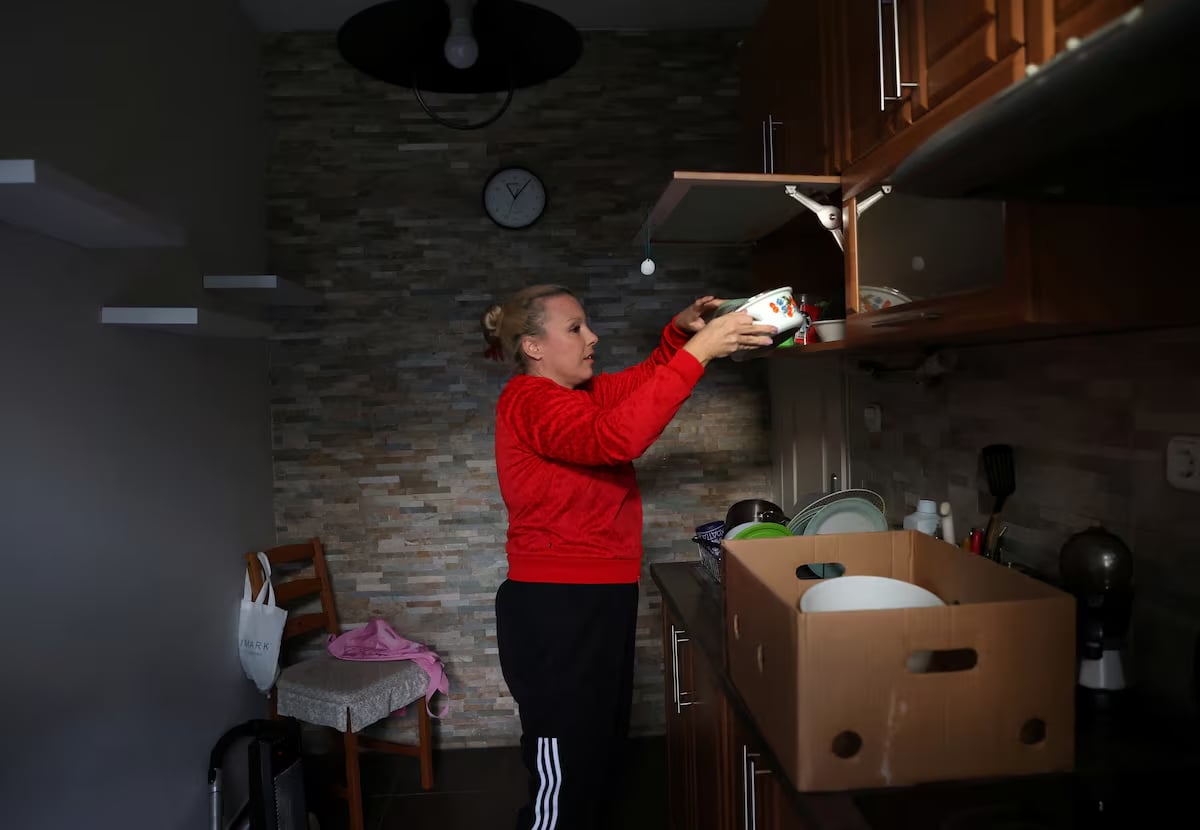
(514,197)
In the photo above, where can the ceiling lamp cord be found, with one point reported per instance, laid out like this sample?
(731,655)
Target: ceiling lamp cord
(459,125)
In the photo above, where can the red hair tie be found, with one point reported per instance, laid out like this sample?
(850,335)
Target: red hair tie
(493,353)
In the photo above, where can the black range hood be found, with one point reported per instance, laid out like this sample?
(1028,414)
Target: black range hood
(1106,122)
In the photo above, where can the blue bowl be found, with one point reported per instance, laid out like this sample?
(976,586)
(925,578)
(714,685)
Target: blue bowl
(711,532)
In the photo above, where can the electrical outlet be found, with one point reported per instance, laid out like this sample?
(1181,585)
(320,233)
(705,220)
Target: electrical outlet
(873,418)
(1183,462)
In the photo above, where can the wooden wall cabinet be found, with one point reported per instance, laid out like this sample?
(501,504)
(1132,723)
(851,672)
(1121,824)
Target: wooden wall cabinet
(786,103)
(1043,270)
(956,42)
(1049,24)
(856,85)
(915,65)
(836,94)
(870,62)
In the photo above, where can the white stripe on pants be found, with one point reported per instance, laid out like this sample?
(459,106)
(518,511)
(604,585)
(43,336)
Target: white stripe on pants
(550,775)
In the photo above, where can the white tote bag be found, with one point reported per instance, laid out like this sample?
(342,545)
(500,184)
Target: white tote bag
(260,631)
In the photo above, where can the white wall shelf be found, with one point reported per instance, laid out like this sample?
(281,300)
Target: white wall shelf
(266,289)
(200,322)
(35,196)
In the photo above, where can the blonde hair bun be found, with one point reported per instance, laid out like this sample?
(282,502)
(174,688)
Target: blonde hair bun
(490,323)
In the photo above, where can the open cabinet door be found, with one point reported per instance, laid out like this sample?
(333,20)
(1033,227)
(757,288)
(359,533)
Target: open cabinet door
(808,429)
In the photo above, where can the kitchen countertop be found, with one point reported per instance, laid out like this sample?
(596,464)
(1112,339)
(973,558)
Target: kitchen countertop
(1132,761)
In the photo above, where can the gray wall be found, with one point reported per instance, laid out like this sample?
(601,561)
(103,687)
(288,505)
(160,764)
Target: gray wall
(136,466)
(1089,419)
(383,405)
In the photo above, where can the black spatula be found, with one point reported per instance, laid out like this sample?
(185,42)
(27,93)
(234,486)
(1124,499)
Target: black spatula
(1000,470)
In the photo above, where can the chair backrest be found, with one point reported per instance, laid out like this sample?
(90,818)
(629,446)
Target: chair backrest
(290,590)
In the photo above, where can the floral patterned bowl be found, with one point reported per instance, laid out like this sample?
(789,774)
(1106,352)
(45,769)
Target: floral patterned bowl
(775,308)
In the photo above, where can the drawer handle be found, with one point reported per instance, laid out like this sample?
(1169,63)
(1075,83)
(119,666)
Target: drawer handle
(758,657)
(737,628)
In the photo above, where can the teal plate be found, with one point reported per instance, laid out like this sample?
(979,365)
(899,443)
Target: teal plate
(851,515)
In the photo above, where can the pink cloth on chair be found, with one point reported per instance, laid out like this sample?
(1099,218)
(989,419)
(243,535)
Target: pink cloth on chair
(378,641)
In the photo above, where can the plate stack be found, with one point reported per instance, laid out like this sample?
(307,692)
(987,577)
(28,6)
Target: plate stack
(846,511)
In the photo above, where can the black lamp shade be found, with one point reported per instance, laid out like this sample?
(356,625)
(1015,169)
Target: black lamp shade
(400,42)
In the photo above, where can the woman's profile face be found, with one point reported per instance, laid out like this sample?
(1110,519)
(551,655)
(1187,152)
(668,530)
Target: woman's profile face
(563,352)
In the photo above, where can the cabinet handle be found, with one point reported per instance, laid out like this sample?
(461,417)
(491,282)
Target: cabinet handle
(763,125)
(768,141)
(900,85)
(676,639)
(747,787)
(771,142)
(750,771)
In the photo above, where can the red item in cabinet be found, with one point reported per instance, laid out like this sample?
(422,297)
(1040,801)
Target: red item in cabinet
(813,313)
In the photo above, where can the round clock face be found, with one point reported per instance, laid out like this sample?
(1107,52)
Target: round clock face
(514,197)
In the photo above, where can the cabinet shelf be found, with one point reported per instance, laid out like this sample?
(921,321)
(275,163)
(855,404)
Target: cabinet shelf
(265,289)
(730,208)
(190,320)
(37,197)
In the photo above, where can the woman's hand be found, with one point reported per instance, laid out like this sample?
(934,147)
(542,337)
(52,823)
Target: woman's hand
(691,319)
(725,335)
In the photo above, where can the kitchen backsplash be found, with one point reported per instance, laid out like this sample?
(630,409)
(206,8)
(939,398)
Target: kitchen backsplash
(1089,419)
(382,402)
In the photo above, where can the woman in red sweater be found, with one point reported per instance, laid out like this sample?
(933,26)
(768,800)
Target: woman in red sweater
(566,440)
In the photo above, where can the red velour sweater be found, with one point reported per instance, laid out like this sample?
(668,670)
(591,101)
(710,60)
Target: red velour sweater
(564,458)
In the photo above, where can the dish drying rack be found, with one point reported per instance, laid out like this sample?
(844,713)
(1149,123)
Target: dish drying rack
(710,559)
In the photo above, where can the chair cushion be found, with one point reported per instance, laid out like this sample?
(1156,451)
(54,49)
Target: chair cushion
(320,690)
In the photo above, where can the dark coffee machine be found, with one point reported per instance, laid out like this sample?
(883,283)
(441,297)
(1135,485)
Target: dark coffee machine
(1097,567)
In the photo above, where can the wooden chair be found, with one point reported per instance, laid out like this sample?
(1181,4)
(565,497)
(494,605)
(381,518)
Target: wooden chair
(345,695)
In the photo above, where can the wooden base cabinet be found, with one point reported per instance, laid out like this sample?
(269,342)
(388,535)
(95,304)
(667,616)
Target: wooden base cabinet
(762,798)
(697,767)
(718,777)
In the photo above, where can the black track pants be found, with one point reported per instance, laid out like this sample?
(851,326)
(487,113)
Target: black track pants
(567,654)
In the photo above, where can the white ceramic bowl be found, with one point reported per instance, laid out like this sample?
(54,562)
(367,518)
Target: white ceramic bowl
(775,308)
(830,330)
(863,593)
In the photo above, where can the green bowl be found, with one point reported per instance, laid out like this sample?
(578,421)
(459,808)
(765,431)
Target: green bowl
(764,530)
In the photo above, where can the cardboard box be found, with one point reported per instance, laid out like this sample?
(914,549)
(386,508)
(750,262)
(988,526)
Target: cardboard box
(832,692)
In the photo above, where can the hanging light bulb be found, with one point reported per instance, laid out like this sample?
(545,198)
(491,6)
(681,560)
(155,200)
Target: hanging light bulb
(461,49)
(648,262)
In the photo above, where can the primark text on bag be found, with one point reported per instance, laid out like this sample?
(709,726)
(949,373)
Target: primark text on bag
(260,630)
